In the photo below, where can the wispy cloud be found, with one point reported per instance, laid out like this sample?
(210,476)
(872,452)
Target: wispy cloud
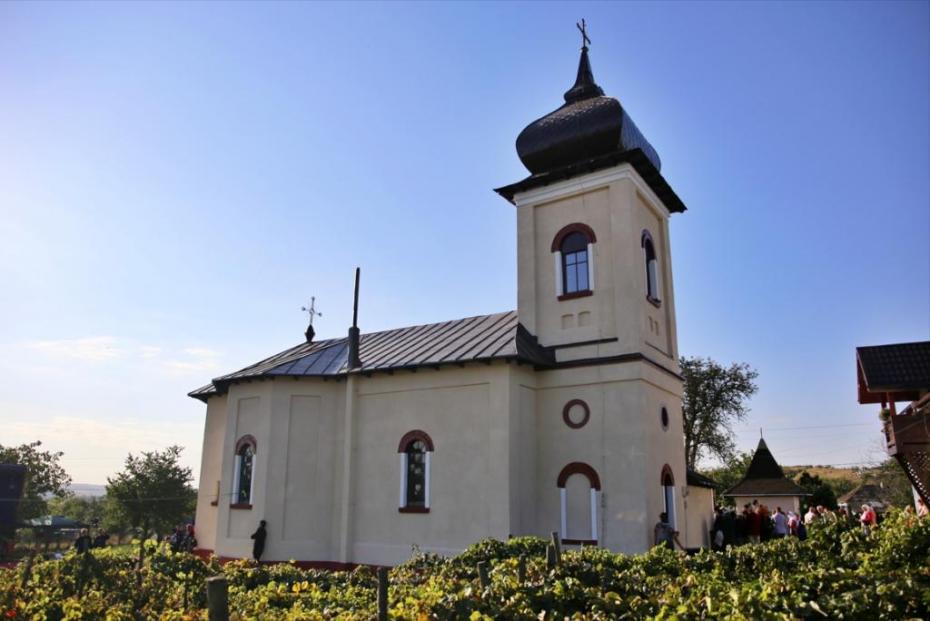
(90,348)
(196,359)
(149,351)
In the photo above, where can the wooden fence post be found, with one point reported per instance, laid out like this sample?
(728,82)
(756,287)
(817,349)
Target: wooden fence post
(551,560)
(521,569)
(217,598)
(483,574)
(382,594)
(557,544)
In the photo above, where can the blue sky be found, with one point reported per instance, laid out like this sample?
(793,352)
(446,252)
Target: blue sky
(176,180)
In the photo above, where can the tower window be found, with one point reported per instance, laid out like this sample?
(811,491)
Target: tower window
(415,449)
(579,489)
(574,261)
(652,269)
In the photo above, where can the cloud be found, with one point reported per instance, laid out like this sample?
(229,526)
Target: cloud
(197,359)
(90,348)
(149,351)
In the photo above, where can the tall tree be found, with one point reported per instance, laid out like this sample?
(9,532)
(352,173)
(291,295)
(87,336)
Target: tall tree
(715,396)
(729,474)
(153,492)
(45,476)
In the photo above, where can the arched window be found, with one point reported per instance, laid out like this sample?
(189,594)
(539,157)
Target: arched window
(652,269)
(415,449)
(579,487)
(244,472)
(573,248)
(668,493)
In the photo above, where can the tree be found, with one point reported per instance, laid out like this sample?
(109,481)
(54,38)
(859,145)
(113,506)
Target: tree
(821,493)
(890,476)
(714,398)
(153,492)
(44,476)
(729,474)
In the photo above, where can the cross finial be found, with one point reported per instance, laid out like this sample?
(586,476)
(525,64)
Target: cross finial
(585,41)
(311,310)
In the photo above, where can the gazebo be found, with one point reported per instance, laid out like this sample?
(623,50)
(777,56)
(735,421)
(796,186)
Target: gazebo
(889,374)
(766,483)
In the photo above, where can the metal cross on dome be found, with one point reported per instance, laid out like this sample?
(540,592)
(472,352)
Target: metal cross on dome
(585,41)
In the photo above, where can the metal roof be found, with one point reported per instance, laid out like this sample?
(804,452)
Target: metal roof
(499,336)
(900,368)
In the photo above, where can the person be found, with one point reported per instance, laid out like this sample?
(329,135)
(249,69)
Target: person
(922,510)
(717,529)
(665,534)
(779,524)
(259,536)
(754,525)
(867,519)
(176,539)
(810,516)
(802,530)
(100,541)
(82,543)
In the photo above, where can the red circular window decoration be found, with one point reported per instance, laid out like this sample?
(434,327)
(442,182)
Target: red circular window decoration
(567,414)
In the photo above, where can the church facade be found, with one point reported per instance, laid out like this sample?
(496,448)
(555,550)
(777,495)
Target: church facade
(564,415)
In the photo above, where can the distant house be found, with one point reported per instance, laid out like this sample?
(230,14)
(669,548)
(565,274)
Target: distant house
(889,374)
(766,483)
(871,494)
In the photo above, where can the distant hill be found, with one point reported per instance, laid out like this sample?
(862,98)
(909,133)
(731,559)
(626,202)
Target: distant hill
(88,489)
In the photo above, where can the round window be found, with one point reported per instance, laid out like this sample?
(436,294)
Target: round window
(576,413)
(664,418)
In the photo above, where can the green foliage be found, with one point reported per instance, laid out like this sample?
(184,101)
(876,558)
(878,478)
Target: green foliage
(715,396)
(837,573)
(730,473)
(820,491)
(153,491)
(44,476)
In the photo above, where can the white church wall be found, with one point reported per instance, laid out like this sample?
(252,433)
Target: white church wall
(210,490)
(460,409)
(699,505)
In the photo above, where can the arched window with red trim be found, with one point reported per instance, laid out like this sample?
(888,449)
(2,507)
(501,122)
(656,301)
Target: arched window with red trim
(579,489)
(414,449)
(573,249)
(668,493)
(244,472)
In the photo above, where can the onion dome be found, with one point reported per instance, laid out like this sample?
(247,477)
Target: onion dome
(589,125)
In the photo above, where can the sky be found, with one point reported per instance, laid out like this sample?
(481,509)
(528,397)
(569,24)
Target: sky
(178,179)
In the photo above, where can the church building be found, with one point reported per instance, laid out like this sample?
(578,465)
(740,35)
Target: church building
(562,415)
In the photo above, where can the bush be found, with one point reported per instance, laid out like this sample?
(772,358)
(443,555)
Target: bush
(837,573)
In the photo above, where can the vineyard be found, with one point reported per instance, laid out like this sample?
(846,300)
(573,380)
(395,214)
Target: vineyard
(838,573)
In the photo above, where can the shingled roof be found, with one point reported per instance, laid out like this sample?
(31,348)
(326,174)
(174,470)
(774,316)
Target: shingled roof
(901,368)
(764,477)
(484,338)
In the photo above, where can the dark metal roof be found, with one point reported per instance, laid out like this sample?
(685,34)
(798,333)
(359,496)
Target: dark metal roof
(499,336)
(634,157)
(764,477)
(697,479)
(899,368)
(588,125)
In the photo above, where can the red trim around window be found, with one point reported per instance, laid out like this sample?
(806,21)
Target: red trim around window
(568,419)
(241,505)
(574,227)
(668,478)
(413,509)
(412,436)
(246,439)
(578,467)
(580,542)
(575,294)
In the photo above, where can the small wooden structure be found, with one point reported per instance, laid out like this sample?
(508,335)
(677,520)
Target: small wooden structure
(871,494)
(765,482)
(890,374)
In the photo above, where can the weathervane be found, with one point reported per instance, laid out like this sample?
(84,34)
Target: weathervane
(313,313)
(585,41)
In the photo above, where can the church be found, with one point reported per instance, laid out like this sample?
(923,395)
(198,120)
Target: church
(563,415)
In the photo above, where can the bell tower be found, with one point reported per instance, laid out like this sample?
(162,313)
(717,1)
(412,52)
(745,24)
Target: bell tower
(594,262)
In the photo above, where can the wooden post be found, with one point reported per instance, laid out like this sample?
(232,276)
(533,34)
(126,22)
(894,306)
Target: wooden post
(483,574)
(521,569)
(551,560)
(217,598)
(382,594)
(558,547)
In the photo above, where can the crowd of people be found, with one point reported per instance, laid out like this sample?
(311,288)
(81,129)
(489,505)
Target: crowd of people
(755,522)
